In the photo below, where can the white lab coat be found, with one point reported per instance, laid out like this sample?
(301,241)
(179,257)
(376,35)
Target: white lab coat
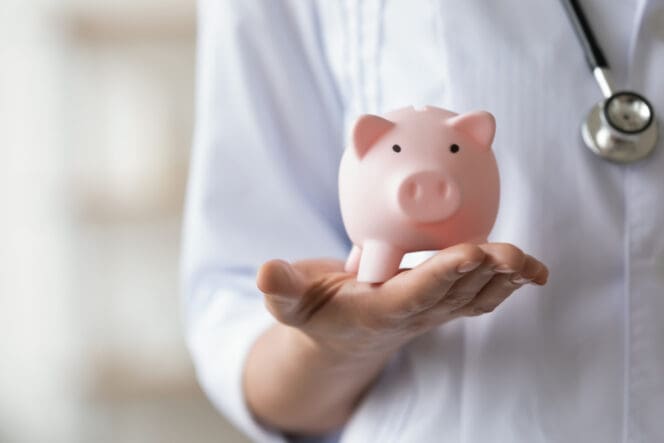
(279,82)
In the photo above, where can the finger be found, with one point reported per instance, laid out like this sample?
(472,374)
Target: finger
(296,292)
(466,288)
(499,258)
(505,257)
(280,279)
(283,287)
(502,286)
(531,270)
(490,296)
(542,275)
(312,268)
(420,288)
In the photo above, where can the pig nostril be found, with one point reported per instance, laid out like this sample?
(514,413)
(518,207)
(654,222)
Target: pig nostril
(441,188)
(417,193)
(412,189)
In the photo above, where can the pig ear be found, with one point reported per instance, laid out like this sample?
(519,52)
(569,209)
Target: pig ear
(369,128)
(479,125)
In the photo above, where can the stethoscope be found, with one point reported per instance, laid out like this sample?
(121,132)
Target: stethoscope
(622,127)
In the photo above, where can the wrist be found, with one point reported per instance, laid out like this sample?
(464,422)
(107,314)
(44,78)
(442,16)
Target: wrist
(310,387)
(333,355)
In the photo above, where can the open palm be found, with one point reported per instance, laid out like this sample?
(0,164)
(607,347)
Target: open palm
(317,297)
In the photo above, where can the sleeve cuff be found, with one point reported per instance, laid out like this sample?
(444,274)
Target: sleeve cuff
(219,340)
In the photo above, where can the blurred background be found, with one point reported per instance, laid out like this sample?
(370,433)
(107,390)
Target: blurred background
(96,113)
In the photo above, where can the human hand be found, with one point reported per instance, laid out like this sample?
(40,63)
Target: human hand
(335,335)
(337,314)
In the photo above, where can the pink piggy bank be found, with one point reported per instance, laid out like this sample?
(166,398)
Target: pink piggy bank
(413,180)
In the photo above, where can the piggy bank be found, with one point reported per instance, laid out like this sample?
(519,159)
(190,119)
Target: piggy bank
(416,179)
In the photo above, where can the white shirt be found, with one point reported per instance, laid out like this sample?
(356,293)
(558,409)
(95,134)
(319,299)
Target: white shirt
(279,83)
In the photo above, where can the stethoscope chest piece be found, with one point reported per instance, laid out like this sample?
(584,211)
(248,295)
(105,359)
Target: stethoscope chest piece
(621,128)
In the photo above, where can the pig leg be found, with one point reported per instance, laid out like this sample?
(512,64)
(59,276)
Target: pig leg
(379,262)
(353,260)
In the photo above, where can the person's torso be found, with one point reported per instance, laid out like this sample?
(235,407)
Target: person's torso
(581,359)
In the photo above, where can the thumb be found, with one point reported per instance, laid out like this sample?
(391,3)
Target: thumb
(283,286)
(280,278)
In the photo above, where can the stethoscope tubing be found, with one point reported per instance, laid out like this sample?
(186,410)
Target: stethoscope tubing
(591,49)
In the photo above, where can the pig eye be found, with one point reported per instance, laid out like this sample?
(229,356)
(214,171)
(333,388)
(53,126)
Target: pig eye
(454,148)
(396,148)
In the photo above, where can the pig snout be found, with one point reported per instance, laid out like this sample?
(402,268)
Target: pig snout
(428,197)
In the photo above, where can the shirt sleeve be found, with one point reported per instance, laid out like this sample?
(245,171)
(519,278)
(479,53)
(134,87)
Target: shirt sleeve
(263,179)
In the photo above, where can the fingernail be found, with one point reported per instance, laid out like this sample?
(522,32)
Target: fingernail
(467,266)
(518,279)
(503,269)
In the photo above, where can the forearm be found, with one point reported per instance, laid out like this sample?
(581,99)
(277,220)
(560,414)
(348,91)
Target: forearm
(296,386)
